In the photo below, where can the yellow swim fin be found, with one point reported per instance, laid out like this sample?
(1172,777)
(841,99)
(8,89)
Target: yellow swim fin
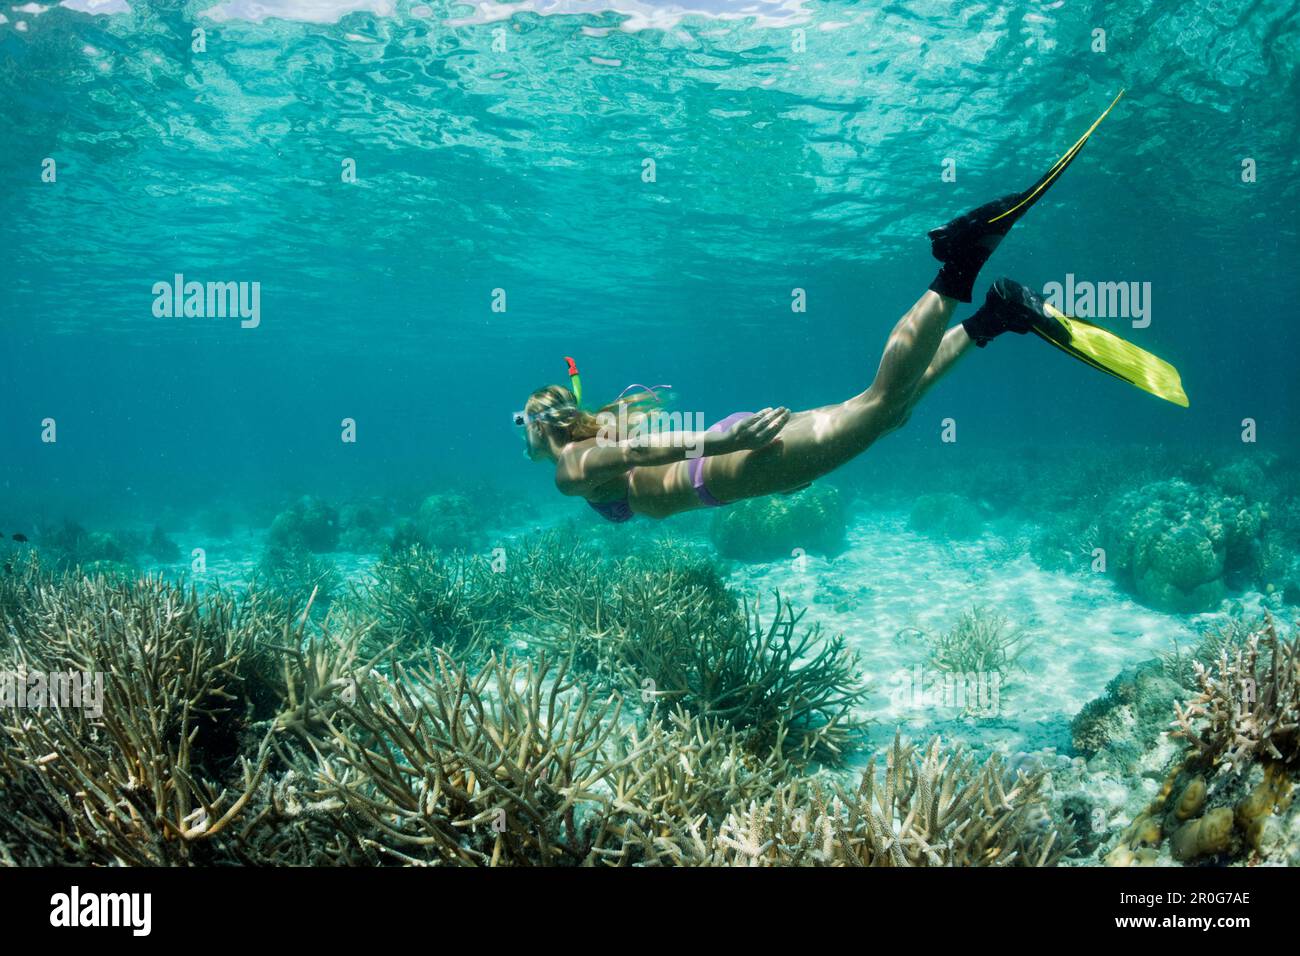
(1111,354)
(1012,307)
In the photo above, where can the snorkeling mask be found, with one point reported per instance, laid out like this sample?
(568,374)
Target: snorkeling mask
(575,385)
(524,418)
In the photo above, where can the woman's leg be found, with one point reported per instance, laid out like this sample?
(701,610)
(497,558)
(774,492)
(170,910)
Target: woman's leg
(956,342)
(818,441)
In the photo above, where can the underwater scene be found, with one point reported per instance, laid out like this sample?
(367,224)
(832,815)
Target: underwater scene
(782,433)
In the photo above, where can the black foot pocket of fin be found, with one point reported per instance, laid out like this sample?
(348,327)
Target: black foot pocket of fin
(965,244)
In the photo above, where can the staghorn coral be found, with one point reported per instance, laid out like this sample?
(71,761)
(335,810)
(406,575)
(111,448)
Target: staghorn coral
(1226,797)
(930,808)
(234,734)
(1247,708)
(503,767)
(158,775)
(766,679)
(681,778)
(1180,666)
(665,626)
(295,576)
(983,641)
(418,601)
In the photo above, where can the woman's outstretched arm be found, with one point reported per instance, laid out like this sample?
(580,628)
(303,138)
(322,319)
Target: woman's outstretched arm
(581,469)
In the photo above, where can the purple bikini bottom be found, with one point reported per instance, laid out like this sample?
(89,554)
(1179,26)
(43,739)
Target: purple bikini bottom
(696,465)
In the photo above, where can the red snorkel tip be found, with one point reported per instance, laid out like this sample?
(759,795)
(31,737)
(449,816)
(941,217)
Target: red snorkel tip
(573,366)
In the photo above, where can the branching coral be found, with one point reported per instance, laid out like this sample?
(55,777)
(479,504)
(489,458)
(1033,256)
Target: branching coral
(766,679)
(1248,708)
(419,601)
(502,767)
(931,808)
(295,575)
(684,778)
(665,626)
(231,733)
(1180,666)
(983,641)
(159,772)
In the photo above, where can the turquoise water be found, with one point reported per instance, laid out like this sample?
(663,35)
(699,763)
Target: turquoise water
(387,172)
(522,170)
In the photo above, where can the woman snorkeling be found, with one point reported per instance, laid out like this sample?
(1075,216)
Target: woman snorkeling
(775,450)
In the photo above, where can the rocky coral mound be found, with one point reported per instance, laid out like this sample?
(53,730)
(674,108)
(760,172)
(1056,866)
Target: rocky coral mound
(1179,547)
(1129,718)
(309,523)
(444,522)
(768,529)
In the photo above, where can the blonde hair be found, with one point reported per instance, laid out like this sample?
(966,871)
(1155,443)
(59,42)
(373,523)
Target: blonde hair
(559,409)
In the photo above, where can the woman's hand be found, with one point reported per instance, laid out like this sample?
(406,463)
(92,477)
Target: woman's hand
(756,431)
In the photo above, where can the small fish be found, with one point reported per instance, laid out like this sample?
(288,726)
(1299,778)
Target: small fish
(20,538)
(9,568)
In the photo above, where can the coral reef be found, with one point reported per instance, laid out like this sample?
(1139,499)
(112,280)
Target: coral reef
(70,546)
(769,529)
(663,625)
(418,601)
(361,527)
(1227,792)
(444,522)
(1179,547)
(1129,717)
(1247,708)
(930,808)
(982,642)
(769,680)
(164,768)
(296,576)
(309,523)
(229,736)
